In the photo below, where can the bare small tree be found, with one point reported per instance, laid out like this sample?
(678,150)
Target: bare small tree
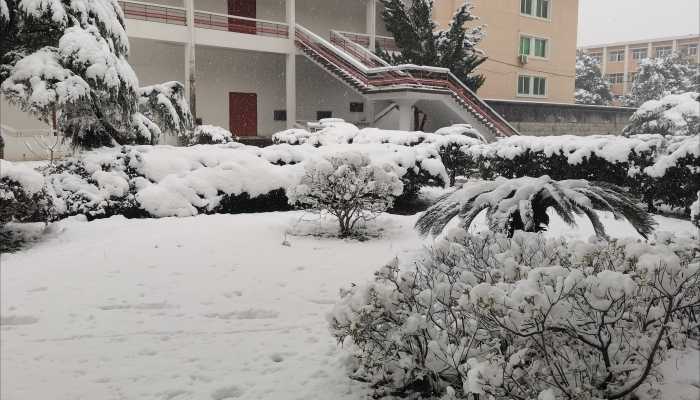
(347,186)
(45,146)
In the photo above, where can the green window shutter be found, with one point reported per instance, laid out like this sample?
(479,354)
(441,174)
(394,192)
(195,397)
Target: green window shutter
(525,45)
(526,7)
(542,8)
(524,85)
(539,86)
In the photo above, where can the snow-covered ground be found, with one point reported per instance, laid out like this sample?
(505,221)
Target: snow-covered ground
(209,307)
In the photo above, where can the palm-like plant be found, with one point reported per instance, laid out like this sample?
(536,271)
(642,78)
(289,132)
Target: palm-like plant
(522,203)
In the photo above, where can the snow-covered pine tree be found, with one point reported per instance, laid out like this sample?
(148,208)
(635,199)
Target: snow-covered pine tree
(67,60)
(166,105)
(658,77)
(419,42)
(591,87)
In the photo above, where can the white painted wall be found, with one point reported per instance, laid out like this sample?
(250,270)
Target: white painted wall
(321,16)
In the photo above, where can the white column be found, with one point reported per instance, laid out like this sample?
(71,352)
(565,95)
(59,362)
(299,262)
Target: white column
(674,46)
(604,62)
(372,23)
(405,114)
(291,68)
(650,49)
(627,67)
(190,64)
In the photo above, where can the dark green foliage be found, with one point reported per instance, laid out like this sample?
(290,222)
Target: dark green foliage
(275,200)
(419,43)
(19,205)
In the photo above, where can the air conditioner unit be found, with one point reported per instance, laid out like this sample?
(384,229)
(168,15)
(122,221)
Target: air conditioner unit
(523,59)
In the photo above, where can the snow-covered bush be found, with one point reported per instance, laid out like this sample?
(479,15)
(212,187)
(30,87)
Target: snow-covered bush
(210,134)
(165,105)
(446,144)
(658,77)
(591,87)
(23,195)
(624,161)
(347,186)
(515,318)
(695,211)
(674,114)
(522,203)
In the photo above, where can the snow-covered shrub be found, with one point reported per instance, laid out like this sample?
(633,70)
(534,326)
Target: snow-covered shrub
(623,161)
(674,178)
(210,134)
(347,186)
(695,211)
(166,106)
(522,203)
(675,114)
(23,195)
(461,129)
(518,318)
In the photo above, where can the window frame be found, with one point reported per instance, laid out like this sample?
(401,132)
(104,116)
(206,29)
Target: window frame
(640,49)
(533,10)
(530,79)
(532,40)
(620,56)
(667,49)
(619,78)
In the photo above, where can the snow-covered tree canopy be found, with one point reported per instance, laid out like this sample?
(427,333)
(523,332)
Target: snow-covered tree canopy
(420,43)
(165,104)
(674,114)
(591,87)
(66,61)
(659,77)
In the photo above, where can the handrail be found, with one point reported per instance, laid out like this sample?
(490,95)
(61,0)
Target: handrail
(239,17)
(142,3)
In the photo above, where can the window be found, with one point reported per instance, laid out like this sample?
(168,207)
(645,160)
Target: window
(689,50)
(616,56)
(663,51)
(323,115)
(632,76)
(615,78)
(532,86)
(536,8)
(639,54)
(597,57)
(540,46)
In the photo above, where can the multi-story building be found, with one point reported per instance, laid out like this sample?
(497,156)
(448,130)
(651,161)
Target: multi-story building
(619,62)
(530,45)
(265,65)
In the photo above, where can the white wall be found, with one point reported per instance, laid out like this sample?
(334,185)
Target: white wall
(317,90)
(320,16)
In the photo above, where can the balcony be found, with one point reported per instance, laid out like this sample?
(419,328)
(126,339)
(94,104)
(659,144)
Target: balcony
(171,15)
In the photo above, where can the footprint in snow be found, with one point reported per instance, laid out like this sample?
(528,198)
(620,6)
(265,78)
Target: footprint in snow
(227,393)
(11,320)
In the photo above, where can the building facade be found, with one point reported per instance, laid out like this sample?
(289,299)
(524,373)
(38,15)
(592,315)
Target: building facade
(530,45)
(619,62)
(262,66)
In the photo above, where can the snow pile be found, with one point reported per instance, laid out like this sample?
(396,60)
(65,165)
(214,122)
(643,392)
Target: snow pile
(674,114)
(461,129)
(31,181)
(210,134)
(481,313)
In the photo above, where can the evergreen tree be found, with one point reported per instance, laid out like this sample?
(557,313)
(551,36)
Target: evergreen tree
(420,43)
(591,87)
(65,61)
(659,77)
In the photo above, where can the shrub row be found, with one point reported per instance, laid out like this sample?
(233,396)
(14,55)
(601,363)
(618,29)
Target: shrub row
(660,170)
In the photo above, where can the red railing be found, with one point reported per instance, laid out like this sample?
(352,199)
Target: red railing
(153,12)
(362,69)
(232,23)
(203,19)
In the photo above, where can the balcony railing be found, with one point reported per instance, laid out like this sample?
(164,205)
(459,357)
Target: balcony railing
(203,19)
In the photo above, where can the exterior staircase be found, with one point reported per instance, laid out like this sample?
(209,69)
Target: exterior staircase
(370,75)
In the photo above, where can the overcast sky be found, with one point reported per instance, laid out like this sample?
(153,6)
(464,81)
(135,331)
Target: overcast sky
(605,21)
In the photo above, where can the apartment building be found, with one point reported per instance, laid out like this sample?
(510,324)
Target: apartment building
(262,66)
(530,44)
(619,62)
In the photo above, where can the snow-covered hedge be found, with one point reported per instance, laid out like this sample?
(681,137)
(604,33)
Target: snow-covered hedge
(526,317)
(210,134)
(445,143)
(674,114)
(23,195)
(643,163)
(163,181)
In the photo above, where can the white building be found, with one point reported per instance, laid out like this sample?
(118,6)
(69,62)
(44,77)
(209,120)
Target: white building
(266,65)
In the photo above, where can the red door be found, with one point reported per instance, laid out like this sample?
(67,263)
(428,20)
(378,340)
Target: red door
(242,8)
(243,113)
